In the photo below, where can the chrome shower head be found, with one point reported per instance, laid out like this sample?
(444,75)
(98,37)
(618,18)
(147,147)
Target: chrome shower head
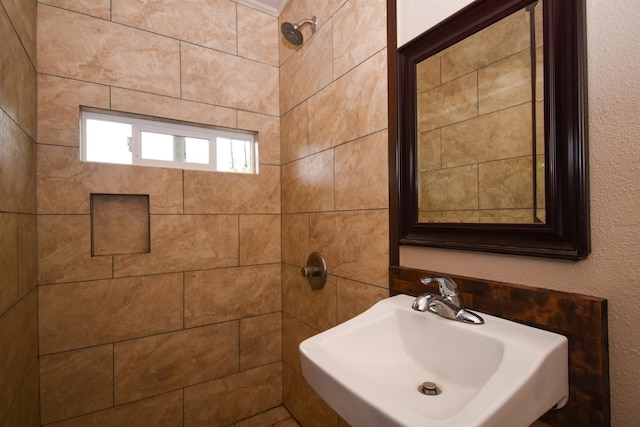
(292,31)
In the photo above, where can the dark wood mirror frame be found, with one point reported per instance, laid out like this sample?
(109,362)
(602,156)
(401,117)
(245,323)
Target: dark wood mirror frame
(565,234)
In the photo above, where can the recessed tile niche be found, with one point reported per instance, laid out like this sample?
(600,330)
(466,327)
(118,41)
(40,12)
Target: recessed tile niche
(120,224)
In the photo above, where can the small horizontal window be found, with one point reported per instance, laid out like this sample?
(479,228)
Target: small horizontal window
(110,138)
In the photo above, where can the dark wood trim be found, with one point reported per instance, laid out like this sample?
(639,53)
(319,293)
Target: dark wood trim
(582,319)
(392,88)
(566,232)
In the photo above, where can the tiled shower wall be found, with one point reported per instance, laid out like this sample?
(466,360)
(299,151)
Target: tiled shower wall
(191,331)
(333,103)
(18,296)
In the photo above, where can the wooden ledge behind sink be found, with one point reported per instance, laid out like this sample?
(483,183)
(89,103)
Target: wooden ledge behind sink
(582,319)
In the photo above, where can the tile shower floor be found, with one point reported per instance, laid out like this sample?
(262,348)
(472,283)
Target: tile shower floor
(276,417)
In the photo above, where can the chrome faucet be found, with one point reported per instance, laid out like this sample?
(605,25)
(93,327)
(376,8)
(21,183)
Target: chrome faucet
(448,304)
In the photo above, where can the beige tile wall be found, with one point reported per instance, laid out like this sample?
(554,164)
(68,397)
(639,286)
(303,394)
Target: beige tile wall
(190,331)
(19,375)
(476,128)
(333,99)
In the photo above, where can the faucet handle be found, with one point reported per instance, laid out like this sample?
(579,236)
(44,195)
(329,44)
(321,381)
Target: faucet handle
(446,285)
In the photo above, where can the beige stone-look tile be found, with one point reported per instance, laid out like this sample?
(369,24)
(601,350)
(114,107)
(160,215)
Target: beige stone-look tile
(308,184)
(119,224)
(295,239)
(27,254)
(257,35)
(172,108)
(235,397)
(323,9)
(428,73)
(293,134)
(430,150)
(506,184)
(353,106)
(294,332)
(98,8)
(23,17)
(59,102)
(356,33)
(65,183)
(241,83)
(76,382)
(353,244)
(107,52)
(308,70)
(183,243)
(84,314)
(64,250)
(449,103)
(25,410)
(500,40)
(500,135)
(355,298)
(18,83)
(9,289)
(260,340)
(211,23)
(148,366)
(213,296)
(19,344)
(164,410)
(505,83)
(260,239)
(449,189)
(17,168)
(220,192)
(304,403)
(317,308)
(268,128)
(266,419)
(361,173)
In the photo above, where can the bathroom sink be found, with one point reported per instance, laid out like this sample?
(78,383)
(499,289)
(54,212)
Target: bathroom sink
(371,369)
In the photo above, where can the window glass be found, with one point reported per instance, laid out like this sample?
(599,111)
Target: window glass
(108,142)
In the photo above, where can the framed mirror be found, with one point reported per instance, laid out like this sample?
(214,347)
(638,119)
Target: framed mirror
(488,131)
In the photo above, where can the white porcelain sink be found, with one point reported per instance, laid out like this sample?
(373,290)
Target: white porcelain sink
(501,373)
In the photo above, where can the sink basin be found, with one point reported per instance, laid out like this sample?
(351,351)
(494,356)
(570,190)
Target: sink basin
(369,369)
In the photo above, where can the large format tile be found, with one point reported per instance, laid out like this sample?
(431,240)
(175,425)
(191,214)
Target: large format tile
(59,101)
(505,83)
(105,52)
(240,83)
(308,184)
(293,134)
(8,261)
(353,106)
(65,183)
(257,35)
(449,189)
(25,409)
(17,168)
(232,193)
(213,296)
(164,410)
(211,23)
(75,315)
(361,173)
(304,403)
(183,243)
(506,184)
(23,17)
(354,243)
(295,239)
(449,103)
(171,108)
(76,382)
(64,250)
(18,83)
(153,365)
(235,397)
(260,239)
(19,344)
(356,33)
(355,297)
(294,331)
(268,128)
(317,308)
(98,8)
(27,253)
(260,340)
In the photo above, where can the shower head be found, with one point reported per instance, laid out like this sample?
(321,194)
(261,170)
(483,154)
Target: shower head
(292,31)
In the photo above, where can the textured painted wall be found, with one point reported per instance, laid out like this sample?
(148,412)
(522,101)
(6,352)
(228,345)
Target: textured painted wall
(612,270)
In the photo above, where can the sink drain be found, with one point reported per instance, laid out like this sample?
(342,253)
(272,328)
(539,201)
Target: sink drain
(429,388)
